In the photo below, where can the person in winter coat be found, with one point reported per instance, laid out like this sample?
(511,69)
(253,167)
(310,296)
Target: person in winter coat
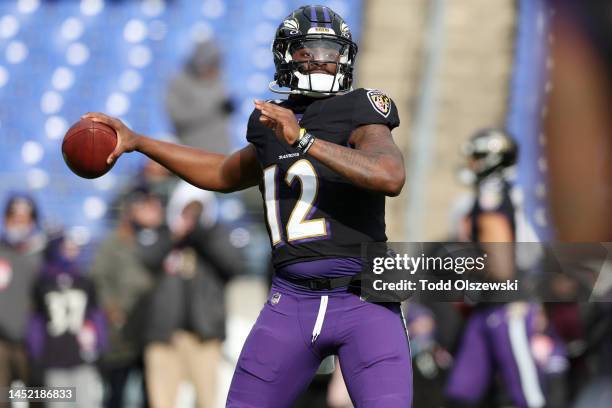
(187,309)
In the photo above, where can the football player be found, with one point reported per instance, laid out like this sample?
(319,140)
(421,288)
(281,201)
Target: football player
(509,339)
(324,160)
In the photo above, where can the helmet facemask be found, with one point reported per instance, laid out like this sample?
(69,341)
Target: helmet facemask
(303,64)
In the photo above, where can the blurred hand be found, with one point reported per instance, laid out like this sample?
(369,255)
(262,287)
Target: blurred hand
(127,139)
(281,120)
(188,220)
(183,227)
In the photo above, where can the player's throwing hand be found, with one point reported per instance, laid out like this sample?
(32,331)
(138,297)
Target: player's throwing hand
(127,140)
(281,120)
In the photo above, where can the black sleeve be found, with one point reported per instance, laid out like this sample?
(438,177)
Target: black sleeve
(373,107)
(255,129)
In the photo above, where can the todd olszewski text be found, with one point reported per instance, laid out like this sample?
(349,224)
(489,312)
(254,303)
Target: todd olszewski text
(446,285)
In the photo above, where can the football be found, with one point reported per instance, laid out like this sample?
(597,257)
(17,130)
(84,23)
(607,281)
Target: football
(86,146)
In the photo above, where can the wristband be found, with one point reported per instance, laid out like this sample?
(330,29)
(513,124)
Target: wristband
(300,136)
(304,141)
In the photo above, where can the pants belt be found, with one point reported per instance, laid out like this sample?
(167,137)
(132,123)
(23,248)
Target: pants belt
(319,283)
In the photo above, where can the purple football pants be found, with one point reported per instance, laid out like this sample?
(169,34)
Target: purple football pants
(279,357)
(497,340)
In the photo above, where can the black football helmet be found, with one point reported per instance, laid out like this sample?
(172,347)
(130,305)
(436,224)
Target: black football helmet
(320,29)
(490,151)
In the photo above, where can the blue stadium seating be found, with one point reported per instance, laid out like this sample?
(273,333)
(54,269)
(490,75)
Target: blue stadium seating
(60,59)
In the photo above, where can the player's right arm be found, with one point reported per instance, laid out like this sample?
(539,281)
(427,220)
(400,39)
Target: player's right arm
(206,170)
(495,235)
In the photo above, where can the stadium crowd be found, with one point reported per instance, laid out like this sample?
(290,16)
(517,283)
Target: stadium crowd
(136,311)
(138,306)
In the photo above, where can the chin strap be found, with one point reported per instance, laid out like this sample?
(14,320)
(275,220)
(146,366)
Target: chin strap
(274,87)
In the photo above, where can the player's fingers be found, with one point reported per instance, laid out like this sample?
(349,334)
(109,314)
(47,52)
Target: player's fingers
(267,121)
(279,113)
(274,115)
(270,108)
(278,110)
(269,105)
(115,154)
(259,105)
(96,116)
(120,148)
(103,118)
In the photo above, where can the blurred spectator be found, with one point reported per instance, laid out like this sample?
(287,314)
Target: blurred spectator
(21,245)
(152,175)
(197,101)
(22,230)
(123,281)
(67,330)
(187,316)
(159,180)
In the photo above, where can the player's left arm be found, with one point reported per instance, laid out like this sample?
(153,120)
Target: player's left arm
(375,163)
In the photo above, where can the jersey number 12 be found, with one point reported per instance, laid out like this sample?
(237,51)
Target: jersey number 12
(298,226)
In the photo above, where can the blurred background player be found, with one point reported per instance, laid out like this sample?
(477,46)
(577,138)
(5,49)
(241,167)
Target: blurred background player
(500,339)
(21,244)
(67,329)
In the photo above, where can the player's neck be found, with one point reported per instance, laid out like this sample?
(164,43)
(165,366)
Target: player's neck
(304,100)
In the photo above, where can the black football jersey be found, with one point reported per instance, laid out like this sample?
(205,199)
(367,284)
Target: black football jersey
(65,303)
(311,211)
(492,196)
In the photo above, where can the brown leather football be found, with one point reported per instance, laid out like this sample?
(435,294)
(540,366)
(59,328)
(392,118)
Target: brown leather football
(86,146)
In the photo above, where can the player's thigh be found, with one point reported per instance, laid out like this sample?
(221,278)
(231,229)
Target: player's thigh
(375,357)
(472,368)
(275,365)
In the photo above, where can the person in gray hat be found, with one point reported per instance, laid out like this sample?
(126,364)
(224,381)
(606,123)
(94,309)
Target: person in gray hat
(197,102)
